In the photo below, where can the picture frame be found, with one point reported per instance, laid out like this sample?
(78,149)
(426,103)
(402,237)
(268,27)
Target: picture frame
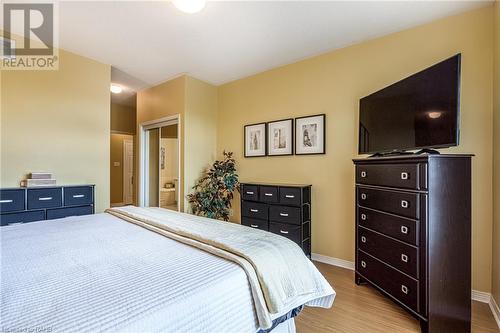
(255,140)
(280,136)
(310,135)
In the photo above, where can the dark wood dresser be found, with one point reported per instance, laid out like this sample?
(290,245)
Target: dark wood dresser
(413,235)
(283,209)
(23,205)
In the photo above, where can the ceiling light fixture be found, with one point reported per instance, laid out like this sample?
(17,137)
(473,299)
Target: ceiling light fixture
(115,89)
(189,6)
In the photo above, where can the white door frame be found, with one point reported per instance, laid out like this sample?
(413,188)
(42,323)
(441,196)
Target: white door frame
(143,162)
(125,141)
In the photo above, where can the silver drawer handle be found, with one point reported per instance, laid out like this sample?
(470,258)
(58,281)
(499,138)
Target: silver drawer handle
(404,230)
(249,192)
(6,201)
(254,210)
(363,174)
(363,217)
(283,232)
(45,198)
(404,204)
(254,225)
(363,264)
(268,194)
(404,258)
(404,175)
(284,214)
(78,195)
(363,196)
(289,196)
(363,239)
(404,289)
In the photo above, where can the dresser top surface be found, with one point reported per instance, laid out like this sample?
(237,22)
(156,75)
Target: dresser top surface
(411,157)
(275,184)
(44,187)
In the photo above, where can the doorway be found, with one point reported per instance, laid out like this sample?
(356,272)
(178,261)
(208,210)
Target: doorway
(160,164)
(128,171)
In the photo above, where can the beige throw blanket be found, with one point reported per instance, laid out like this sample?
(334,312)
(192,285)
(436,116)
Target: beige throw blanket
(280,275)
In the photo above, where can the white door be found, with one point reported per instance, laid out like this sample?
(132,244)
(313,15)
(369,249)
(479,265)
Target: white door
(128,171)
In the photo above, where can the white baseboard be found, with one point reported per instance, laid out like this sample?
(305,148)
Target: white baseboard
(479,296)
(333,261)
(495,310)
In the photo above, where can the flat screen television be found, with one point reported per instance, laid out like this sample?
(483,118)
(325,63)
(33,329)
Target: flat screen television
(419,112)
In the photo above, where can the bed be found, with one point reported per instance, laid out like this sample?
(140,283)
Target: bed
(100,273)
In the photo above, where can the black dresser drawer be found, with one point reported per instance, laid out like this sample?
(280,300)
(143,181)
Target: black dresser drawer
(22,217)
(249,192)
(268,194)
(289,231)
(290,196)
(255,223)
(70,211)
(44,198)
(401,228)
(255,210)
(285,214)
(401,287)
(395,253)
(78,196)
(400,203)
(11,200)
(391,175)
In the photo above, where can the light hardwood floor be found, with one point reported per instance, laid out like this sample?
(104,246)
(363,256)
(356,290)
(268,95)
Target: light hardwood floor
(363,309)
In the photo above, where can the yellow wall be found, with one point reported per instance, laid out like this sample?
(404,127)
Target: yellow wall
(333,83)
(196,103)
(123,119)
(58,121)
(163,100)
(200,130)
(496,148)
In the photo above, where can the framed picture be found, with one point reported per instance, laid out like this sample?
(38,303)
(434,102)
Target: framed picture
(310,135)
(255,140)
(280,137)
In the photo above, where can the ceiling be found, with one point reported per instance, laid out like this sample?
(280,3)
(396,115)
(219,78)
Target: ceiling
(150,42)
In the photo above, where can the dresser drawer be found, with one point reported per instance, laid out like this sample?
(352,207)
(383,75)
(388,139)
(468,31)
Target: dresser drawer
(284,214)
(22,217)
(398,255)
(400,203)
(391,175)
(250,192)
(290,196)
(401,287)
(268,194)
(401,228)
(255,223)
(77,196)
(254,210)
(44,198)
(289,231)
(11,200)
(70,211)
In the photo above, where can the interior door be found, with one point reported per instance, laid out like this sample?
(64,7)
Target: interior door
(128,171)
(153,171)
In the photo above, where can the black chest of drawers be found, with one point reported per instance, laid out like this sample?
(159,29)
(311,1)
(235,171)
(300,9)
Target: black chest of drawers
(282,209)
(413,235)
(23,205)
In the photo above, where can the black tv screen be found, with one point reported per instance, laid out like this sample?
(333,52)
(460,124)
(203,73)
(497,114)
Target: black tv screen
(421,111)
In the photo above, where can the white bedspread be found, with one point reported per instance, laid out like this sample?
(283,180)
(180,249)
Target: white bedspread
(280,275)
(116,276)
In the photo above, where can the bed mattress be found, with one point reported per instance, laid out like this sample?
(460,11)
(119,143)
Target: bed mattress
(116,276)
